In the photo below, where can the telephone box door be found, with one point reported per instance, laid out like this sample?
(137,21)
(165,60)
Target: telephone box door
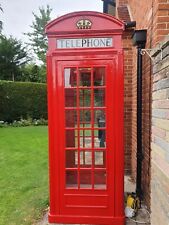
(86,138)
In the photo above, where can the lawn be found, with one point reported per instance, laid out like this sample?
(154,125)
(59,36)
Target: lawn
(23,174)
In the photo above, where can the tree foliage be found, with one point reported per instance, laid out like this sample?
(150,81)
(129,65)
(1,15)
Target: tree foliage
(22,100)
(12,56)
(37,37)
(0,20)
(34,73)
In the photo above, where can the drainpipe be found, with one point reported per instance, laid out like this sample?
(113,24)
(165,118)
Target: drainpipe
(139,40)
(130,24)
(139,123)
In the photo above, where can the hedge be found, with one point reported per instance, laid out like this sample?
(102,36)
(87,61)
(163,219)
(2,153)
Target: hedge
(22,100)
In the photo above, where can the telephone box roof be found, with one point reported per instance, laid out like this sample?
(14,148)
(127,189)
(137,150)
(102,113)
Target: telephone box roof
(99,21)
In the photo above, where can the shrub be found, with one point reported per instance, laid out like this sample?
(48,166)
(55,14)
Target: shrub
(22,100)
(24,123)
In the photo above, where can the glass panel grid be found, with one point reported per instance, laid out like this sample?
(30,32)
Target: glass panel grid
(84,102)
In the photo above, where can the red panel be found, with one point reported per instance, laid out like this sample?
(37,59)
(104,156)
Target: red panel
(98,201)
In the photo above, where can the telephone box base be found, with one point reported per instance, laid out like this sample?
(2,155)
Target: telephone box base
(68,219)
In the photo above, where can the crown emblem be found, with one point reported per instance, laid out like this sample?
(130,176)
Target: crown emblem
(84,24)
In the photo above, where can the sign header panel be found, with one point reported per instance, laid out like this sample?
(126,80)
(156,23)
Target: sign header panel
(97,42)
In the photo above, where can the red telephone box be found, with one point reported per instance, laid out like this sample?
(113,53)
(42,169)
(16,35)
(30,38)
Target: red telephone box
(85,106)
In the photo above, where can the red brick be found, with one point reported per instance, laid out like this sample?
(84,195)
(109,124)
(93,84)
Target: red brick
(161,25)
(163,6)
(163,19)
(162,13)
(162,1)
(163,32)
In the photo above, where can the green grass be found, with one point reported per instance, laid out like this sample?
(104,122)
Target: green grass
(23,174)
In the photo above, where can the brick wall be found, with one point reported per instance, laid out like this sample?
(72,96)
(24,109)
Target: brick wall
(121,2)
(160,137)
(141,12)
(128,61)
(161,14)
(123,14)
(152,15)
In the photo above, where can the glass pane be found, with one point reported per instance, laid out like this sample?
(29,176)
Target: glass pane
(85,179)
(85,77)
(85,97)
(70,77)
(85,159)
(96,142)
(71,179)
(99,76)
(100,179)
(71,118)
(100,139)
(85,139)
(99,118)
(70,97)
(71,161)
(85,118)
(71,138)
(100,158)
(99,97)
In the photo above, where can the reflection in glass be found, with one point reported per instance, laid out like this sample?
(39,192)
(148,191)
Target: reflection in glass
(85,158)
(99,76)
(85,142)
(98,158)
(71,138)
(99,118)
(71,159)
(99,97)
(85,77)
(71,118)
(96,142)
(85,139)
(100,140)
(85,179)
(100,179)
(85,97)
(86,133)
(70,77)
(71,179)
(85,118)
(70,97)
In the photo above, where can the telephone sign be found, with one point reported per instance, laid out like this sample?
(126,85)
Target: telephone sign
(97,42)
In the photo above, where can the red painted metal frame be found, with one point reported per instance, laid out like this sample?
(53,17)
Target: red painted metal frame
(88,206)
